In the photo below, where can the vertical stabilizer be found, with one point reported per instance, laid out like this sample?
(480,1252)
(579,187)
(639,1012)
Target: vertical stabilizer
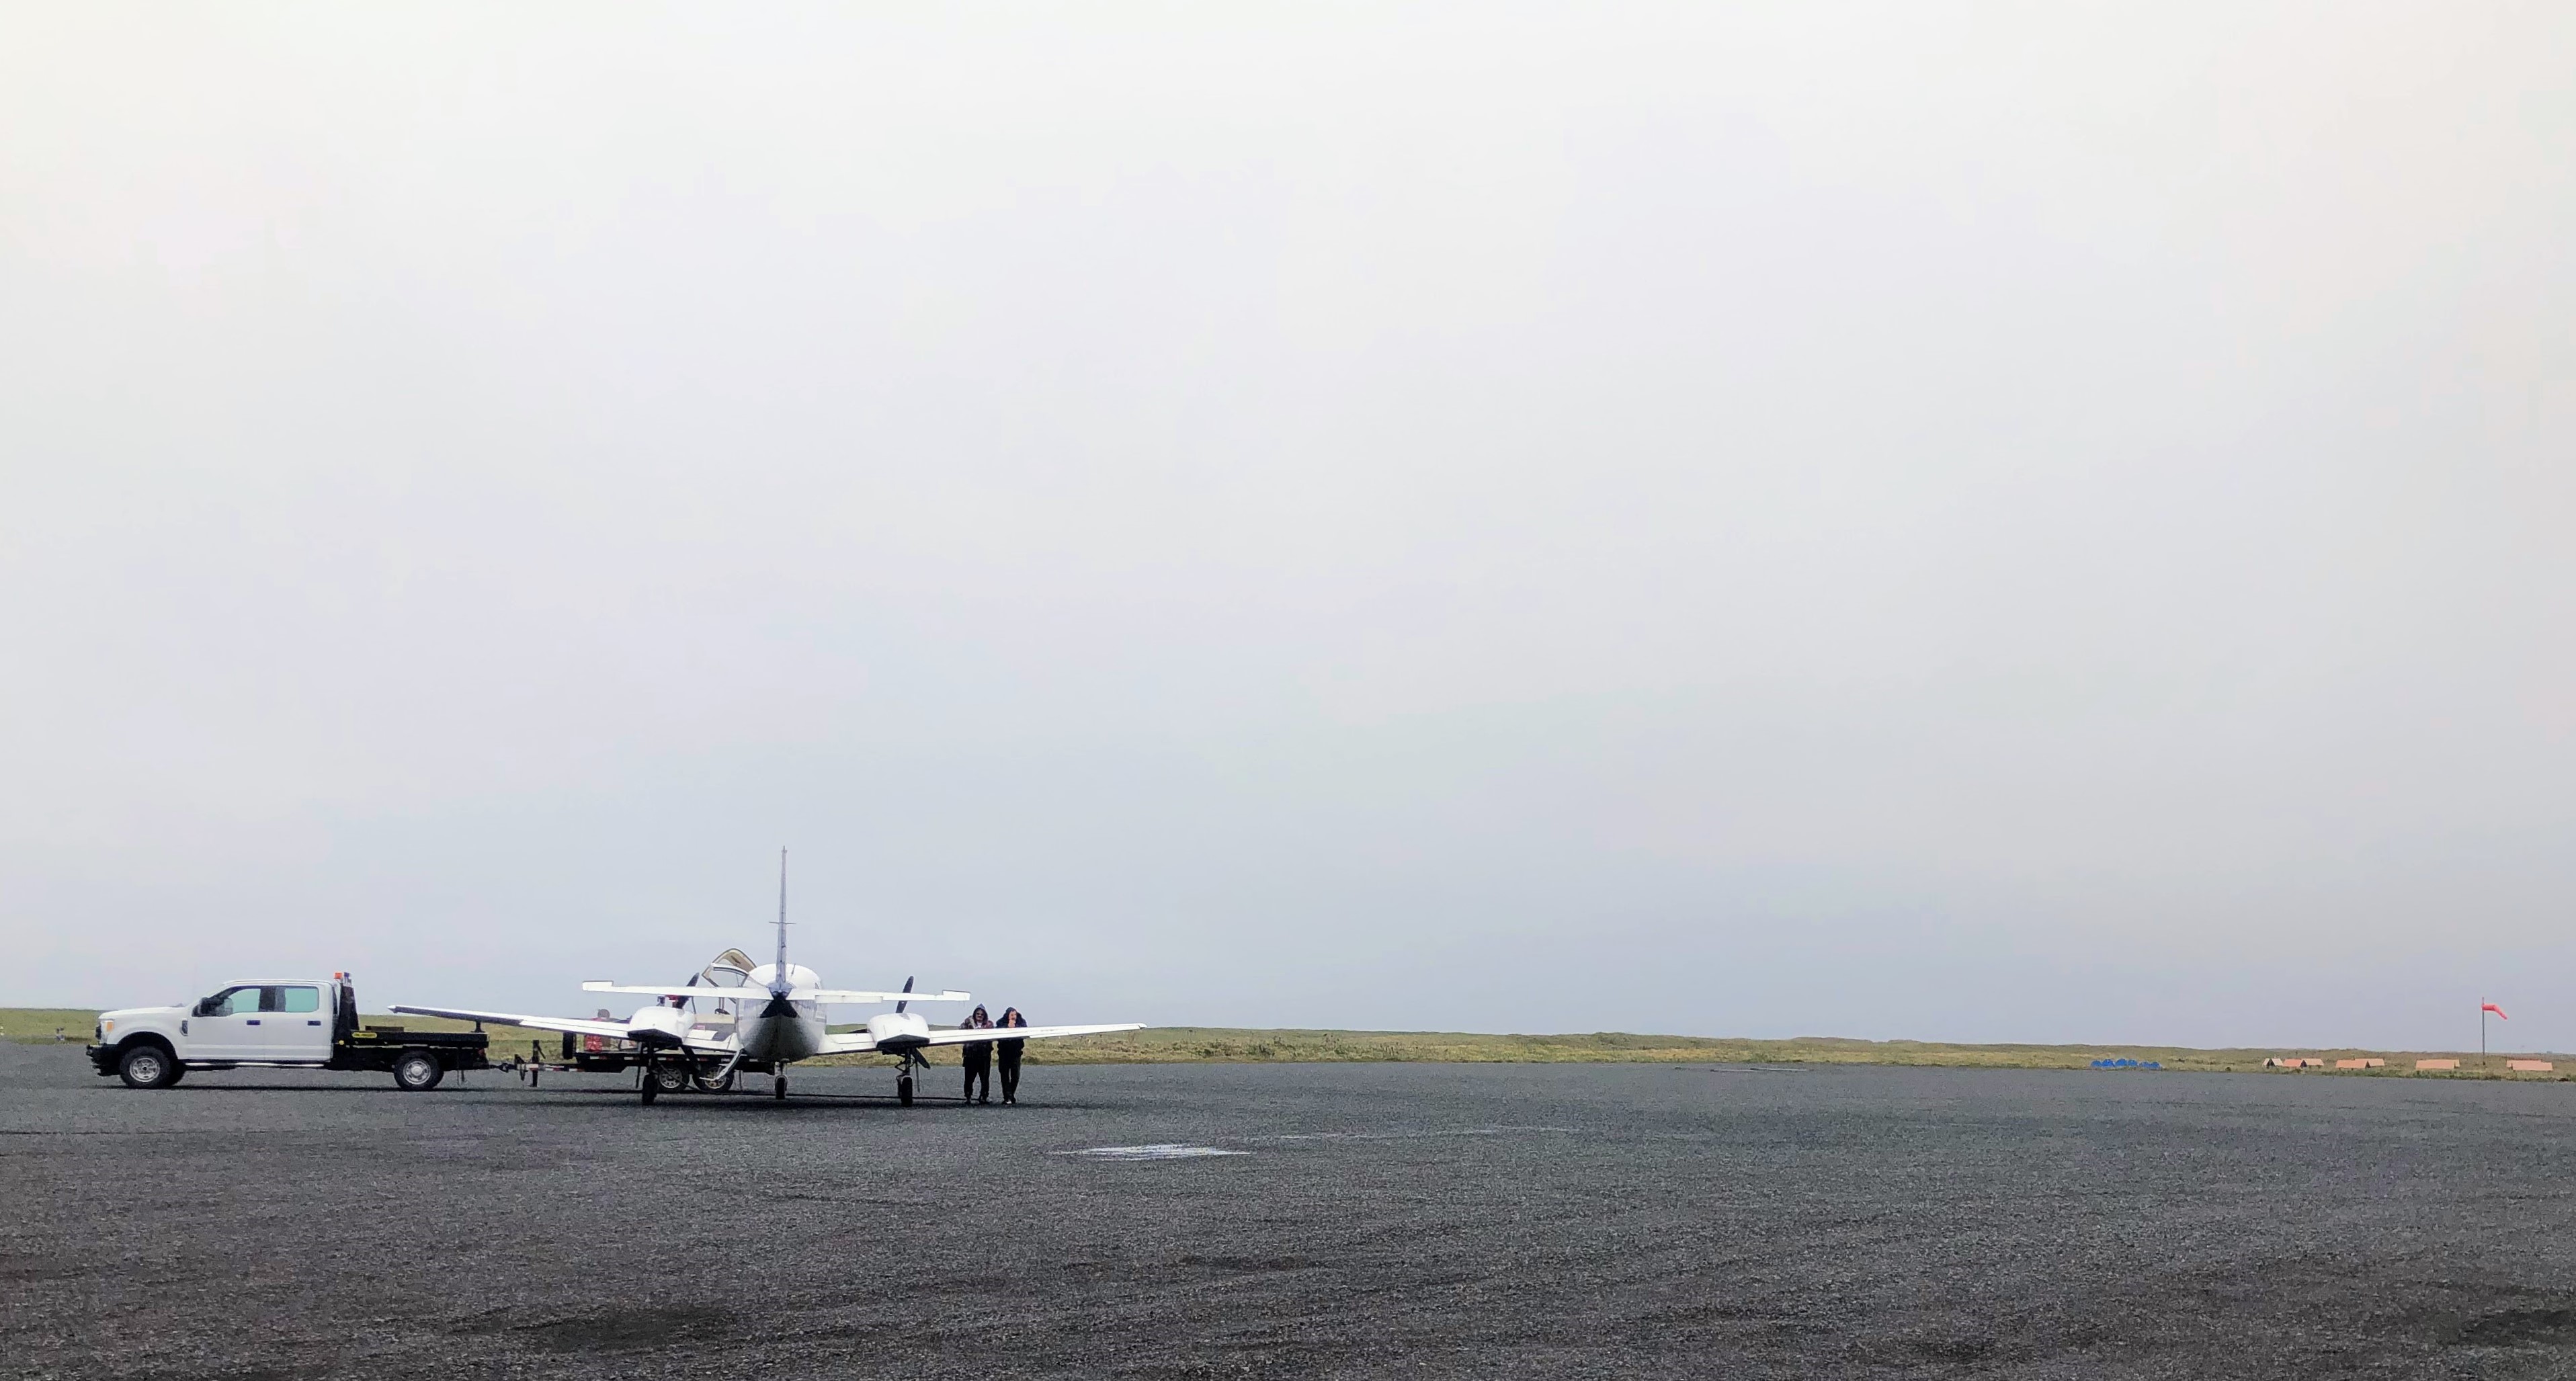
(778,984)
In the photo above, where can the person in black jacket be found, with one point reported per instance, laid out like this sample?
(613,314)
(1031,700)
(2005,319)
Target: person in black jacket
(1009,1051)
(979,1059)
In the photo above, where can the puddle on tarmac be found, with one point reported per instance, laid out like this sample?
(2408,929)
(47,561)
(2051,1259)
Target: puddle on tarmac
(1161,1150)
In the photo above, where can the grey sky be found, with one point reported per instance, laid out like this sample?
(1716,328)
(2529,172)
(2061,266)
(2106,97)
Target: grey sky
(1970,522)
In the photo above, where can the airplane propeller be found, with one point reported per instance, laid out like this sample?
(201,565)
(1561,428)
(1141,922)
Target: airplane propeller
(907,987)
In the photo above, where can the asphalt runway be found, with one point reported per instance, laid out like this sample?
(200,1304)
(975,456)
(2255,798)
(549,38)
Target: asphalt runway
(1377,1220)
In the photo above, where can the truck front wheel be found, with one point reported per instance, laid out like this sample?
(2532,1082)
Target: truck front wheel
(417,1071)
(148,1066)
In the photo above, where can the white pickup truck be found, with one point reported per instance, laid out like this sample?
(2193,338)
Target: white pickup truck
(309,1023)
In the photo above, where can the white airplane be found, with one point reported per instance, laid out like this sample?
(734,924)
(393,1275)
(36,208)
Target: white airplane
(776,1019)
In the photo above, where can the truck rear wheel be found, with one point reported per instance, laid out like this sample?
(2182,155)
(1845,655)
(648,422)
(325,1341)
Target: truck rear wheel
(147,1066)
(417,1071)
(672,1075)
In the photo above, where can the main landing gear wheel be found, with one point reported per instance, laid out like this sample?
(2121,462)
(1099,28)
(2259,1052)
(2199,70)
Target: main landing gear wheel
(147,1066)
(780,1091)
(719,1085)
(417,1071)
(903,1088)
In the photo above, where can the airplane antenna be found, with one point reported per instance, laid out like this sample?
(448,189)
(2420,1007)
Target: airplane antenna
(778,984)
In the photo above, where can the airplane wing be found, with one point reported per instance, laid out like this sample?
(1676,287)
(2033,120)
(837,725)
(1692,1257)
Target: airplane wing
(614,1030)
(1027,1033)
(831,996)
(860,1042)
(576,1025)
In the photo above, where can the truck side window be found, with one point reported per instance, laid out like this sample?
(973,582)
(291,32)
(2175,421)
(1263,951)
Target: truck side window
(233,1002)
(302,1000)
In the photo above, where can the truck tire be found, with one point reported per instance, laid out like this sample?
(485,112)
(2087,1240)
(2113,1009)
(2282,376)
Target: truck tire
(707,1085)
(146,1065)
(417,1071)
(672,1075)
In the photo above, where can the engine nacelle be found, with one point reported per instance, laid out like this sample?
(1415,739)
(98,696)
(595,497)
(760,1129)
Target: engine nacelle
(658,1027)
(898,1030)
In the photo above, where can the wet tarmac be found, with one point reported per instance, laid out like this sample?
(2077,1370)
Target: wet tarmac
(1291,1220)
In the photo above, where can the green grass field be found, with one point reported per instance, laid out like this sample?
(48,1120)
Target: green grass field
(1204,1044)
(33,1024)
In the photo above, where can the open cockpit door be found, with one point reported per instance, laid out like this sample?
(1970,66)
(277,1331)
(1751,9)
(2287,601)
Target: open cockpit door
(717,1013)
(731,969)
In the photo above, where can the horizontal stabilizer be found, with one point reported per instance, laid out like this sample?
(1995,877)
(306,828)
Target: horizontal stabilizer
(602,985)
(854,997)
(827,996)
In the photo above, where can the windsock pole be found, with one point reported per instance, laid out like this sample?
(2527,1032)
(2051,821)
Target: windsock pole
(2485,1007)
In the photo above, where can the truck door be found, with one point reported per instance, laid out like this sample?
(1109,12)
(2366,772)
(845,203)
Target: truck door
(226,1026)
(292,1025)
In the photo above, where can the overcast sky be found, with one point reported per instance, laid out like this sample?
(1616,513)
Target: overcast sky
(2044,523)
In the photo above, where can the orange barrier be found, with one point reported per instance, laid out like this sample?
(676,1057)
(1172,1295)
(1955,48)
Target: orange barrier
(2359,1064)
(2529,1066)
(2437,1064)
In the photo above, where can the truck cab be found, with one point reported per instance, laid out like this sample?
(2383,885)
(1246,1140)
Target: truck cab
(308,1023)
(260,1023)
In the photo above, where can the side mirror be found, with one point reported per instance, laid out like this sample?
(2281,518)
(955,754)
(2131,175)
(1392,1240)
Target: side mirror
(205,1007)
